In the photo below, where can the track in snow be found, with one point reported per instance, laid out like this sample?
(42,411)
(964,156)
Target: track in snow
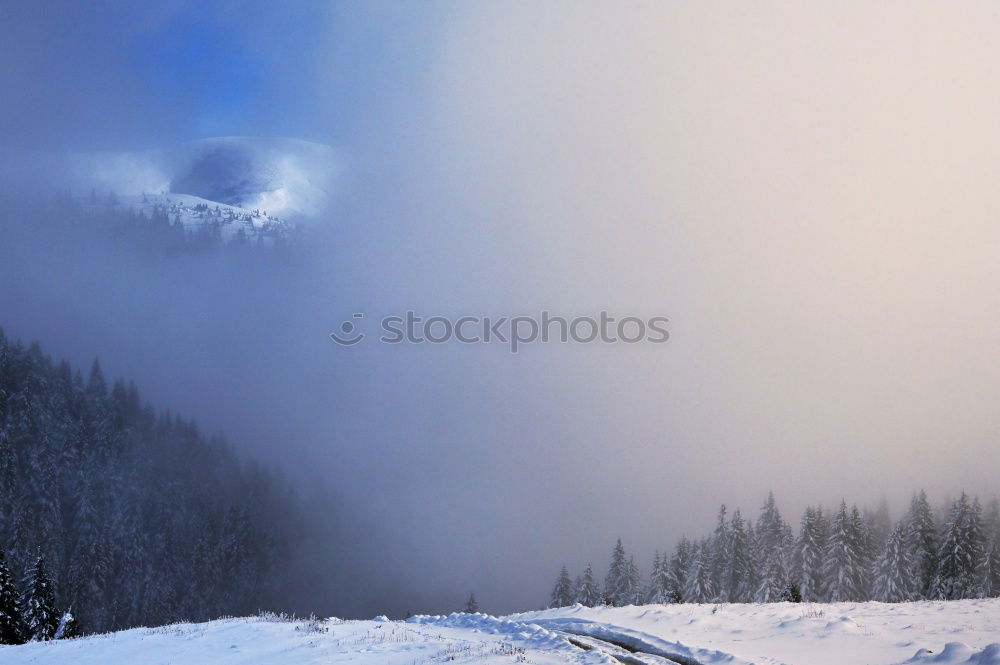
(621,652)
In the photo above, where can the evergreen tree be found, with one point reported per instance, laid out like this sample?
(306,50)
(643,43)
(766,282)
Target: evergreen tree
(655,591)
(633,583)
(922,543)
(792,593)
(8,480)
(617,588)
(878,524)
(812,545)
(11,626)
(893,574)
(40,615)
(991,520)
(698,585)
(961,553)
(841,561)
(587,592)
(678,569)
(562,594)
(991,555)
(471,606)
(774,581)
(741,574)
(721,557)
(754,557)
(661,590)
(772,540)
(861,544)
(991,570)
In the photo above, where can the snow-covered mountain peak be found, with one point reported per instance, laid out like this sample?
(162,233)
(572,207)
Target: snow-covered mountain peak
(284,178)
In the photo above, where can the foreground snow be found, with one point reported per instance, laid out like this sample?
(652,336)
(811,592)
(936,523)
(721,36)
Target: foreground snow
(844,633)
(456,639)
(963,631)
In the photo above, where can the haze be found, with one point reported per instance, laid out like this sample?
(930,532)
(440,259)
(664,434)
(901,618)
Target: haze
(807,191)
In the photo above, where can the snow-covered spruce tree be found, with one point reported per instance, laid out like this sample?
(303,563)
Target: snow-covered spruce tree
(11,625)
(587,592)
(774,581)
(471,606)
(562,593)
(680,562)
(634,583)
(862,547)
(991,570)
(922,543)
(811,546)
(41,619)
(772,541)
(878,525)
(893,580)
(661,590)
(8,475)
(129,561)
(991,520)
(721,557)
(841,561)
(698,585)
(961,553)
(236,558)
(991,557)
(754,557)
(616,587)
(792,593)
(88,577)
(741,572)
(651,596)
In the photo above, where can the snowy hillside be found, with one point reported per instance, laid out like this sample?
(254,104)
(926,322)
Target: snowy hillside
(287,178)
(264,187)
(946,633)
(459,639)
(199,216)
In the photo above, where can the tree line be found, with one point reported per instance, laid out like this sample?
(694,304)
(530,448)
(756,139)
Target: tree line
(31,615)
(157,227)
(845,554)
(128,516)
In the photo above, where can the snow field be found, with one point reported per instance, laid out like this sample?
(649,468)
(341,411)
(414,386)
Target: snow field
(921,633)
(263,640)
(871,633)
